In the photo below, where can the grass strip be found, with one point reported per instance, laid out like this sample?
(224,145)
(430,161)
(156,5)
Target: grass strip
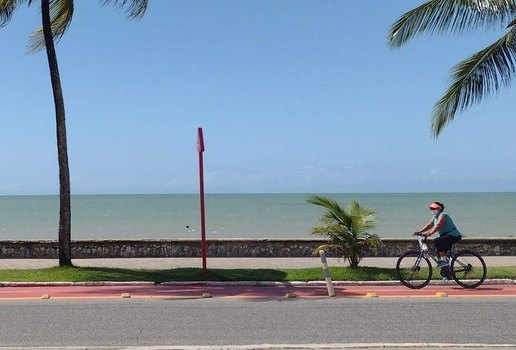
(86,274)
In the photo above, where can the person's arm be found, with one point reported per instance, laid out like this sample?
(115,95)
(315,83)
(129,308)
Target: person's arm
(438,225)
(427,226)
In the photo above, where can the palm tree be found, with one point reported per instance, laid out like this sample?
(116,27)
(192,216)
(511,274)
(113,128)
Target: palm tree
(478,76)
(346,230)
(56,18)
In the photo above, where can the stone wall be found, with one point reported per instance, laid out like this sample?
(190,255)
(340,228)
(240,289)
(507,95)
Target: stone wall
(389,247)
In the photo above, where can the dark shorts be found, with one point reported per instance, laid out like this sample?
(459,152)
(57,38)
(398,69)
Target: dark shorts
(444,243)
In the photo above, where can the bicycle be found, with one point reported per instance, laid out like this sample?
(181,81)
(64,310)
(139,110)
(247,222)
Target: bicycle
(414,269)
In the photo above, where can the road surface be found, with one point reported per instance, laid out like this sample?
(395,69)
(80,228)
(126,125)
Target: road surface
(253,321)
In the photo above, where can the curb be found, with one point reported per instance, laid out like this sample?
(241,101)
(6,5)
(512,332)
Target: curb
(334,346)
(75,284)
(235,283)
(323,283)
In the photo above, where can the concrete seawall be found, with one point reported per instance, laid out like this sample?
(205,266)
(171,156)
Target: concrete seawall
(89,249)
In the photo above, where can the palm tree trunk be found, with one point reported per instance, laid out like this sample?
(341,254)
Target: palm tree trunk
(65,251)
(353,262)
(353,259)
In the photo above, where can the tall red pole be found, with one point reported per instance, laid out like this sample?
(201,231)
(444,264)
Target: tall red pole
(200,149)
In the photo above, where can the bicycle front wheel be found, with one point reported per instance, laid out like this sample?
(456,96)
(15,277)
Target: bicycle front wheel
(414,270)
(468,269)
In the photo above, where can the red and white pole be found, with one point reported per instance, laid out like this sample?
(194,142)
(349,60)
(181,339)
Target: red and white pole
(200,149)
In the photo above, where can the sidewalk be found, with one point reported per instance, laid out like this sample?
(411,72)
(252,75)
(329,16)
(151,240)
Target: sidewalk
(220,263)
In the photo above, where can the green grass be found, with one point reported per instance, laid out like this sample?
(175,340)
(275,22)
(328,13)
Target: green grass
(85,274)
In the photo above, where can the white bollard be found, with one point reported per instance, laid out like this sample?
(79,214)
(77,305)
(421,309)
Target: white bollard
(327,276)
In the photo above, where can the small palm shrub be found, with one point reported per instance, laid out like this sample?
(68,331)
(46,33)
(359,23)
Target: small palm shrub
(345,229)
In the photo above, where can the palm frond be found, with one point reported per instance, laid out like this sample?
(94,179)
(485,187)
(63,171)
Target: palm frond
(363,218)
(332,232)
(324,247)
(61,13)
(477,77)
(456,16)
(334,212)
(134,8)
(7,9)
(370,240)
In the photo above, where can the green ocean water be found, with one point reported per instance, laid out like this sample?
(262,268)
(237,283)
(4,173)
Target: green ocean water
(244,215)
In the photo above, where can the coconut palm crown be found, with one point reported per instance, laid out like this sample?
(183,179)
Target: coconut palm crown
(345,229)
(61,13)
(476,77)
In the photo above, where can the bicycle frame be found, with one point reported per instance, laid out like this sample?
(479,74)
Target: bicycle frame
(428,252)
(424,250)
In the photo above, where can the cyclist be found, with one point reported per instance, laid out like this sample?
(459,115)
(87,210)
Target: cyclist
(448,232)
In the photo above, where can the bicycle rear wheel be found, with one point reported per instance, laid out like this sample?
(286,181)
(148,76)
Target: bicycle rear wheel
(414,270)
(468,268)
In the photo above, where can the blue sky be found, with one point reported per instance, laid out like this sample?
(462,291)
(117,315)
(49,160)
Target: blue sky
(293,96)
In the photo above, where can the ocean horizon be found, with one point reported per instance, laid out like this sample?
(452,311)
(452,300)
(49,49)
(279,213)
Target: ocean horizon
(258,215)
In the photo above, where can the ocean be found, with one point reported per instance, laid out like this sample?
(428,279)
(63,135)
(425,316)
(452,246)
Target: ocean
(244,215)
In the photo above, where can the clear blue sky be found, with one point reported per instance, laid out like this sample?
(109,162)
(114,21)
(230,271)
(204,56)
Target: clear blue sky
(293,96)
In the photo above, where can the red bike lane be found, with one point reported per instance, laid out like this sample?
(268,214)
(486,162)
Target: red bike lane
(191,291)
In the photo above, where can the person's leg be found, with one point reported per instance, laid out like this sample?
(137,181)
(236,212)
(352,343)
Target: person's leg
(453,240)
(442,245)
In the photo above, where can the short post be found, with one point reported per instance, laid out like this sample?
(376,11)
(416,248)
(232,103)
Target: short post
(327,276)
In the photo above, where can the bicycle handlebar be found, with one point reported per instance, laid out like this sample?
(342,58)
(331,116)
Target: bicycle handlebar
(419,234)
(421,238)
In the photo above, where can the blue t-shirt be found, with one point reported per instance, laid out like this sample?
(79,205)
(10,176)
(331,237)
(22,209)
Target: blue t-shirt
(448,228)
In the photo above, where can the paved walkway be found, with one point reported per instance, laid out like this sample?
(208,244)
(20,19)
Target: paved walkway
(221,263)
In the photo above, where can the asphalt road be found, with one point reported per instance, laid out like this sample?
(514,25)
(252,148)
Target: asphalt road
(153,322)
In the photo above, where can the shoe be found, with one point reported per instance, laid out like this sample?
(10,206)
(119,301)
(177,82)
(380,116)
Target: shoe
(443,263)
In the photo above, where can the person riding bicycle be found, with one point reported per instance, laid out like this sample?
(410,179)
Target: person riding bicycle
(442,223)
